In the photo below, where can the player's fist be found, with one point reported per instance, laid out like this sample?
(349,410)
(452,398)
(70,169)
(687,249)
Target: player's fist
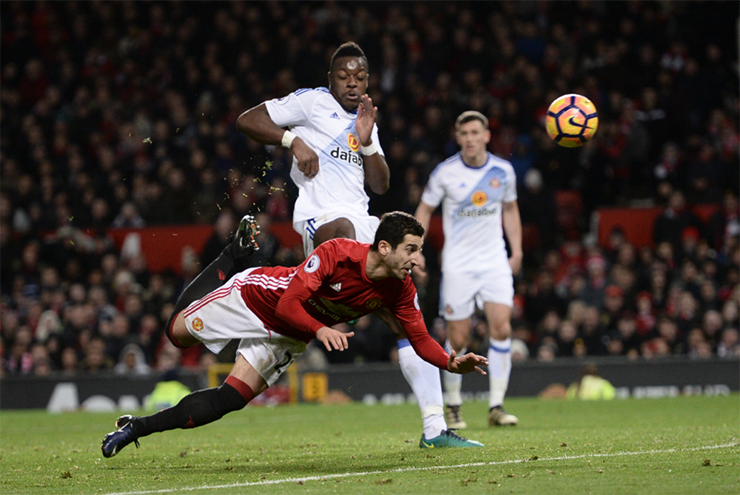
(308,160)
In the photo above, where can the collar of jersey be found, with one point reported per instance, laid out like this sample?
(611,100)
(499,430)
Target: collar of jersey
(488,159)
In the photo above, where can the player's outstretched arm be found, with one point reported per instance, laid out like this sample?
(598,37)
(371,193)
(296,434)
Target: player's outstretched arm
(466,363)
(333,339)
(257,124)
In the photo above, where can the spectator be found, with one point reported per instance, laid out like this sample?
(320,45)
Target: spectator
(132,361)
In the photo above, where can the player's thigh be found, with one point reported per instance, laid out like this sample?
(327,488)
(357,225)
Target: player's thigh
(222,315)
(457,301)
(497,298)
(315,231)
(270,357)
(338,228)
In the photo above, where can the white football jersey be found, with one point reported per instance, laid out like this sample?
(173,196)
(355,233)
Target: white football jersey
(318,118)
(471,211)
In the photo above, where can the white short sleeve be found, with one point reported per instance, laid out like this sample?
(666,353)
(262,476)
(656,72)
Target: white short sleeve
(434,191)
(510,194)
(292,110)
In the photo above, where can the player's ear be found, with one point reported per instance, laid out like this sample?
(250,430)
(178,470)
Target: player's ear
(384,248)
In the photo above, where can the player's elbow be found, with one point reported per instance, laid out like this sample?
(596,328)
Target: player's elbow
(248,121)
(381,186)
(242,123)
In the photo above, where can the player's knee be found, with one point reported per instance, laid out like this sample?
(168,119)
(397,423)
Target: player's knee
(501,330)
(459,340)
(229,399)
(178,333)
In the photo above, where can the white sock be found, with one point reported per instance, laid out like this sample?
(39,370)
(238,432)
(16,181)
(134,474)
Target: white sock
(452,382)
(499,368)
(426,385)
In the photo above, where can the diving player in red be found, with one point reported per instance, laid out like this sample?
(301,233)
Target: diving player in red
(277,311)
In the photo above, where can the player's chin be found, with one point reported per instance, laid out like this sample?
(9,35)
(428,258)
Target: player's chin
(350,104)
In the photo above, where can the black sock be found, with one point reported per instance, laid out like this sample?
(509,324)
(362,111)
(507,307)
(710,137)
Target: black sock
(193,410)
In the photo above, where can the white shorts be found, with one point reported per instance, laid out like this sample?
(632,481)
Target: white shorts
(222,315)
(461,291)
(365,228)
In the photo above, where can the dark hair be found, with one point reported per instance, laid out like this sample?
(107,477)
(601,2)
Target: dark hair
(470,116)
(348,49)
(394,226)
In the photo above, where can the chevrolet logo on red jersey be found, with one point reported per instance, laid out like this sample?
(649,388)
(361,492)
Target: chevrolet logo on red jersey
(374,303)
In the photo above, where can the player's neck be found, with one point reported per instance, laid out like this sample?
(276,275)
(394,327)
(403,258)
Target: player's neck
(375,269)
(476,161)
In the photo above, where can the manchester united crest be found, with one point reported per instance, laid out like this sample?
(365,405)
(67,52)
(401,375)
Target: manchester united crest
(197,324)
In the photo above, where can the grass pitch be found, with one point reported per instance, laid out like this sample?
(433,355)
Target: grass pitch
(651,446)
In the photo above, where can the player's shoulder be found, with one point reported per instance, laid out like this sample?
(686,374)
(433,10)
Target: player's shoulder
(497,161)
(312,92)
(343,248)
(447,166)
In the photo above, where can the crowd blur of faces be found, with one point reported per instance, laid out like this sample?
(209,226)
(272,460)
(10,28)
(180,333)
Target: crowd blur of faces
(121,115)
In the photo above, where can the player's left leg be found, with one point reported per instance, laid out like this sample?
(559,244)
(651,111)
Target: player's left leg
(458,339)
(424,379)
(499,362)
(196,409)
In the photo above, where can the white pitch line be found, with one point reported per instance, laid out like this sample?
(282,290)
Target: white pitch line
(411,469)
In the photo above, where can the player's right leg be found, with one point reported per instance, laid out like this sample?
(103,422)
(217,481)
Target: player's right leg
(458,339)
(196,409)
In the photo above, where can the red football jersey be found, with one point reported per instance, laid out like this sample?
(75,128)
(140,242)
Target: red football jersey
(332,287)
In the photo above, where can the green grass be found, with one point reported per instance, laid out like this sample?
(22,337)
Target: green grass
(650,446)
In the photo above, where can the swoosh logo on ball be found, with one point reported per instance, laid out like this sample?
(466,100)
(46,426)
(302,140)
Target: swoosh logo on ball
(575,124)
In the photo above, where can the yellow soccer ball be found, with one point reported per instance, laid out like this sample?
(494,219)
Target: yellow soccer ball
(571,120)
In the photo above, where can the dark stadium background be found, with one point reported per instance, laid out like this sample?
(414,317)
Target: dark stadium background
(118,117)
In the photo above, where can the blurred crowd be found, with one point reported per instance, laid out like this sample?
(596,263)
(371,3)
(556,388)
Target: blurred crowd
(121,114)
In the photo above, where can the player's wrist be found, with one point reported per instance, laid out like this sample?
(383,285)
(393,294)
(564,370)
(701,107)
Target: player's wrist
(370,149)
(288,138)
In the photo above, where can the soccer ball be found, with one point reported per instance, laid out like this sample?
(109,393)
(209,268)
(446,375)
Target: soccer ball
(571,120)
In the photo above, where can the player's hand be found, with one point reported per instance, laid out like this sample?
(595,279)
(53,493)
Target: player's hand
(334,339)
(515,262)
(467,363)
(308,160)
(366,117)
